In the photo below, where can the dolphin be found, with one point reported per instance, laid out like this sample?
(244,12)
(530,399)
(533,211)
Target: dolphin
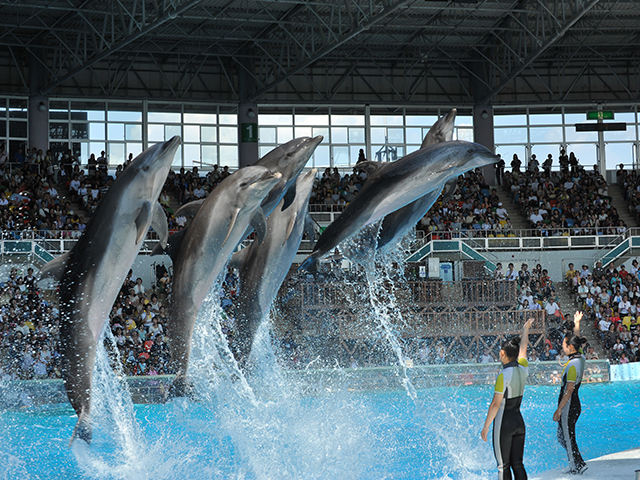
(204,250)
(91,274)
(397,224)
(289,159)
(399,183)
(264,266)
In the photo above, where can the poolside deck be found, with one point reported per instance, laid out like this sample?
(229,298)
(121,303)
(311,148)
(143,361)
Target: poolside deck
(615,466)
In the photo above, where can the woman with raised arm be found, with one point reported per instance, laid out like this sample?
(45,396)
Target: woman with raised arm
(569,402)
(504,411)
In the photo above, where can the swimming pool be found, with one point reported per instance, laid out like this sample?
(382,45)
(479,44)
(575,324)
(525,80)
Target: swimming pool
(279,433)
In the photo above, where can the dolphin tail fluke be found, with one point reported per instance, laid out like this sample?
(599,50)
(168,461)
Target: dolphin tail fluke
(309,264)
(83,429)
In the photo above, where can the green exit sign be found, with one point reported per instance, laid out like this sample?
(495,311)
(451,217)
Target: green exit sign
(600,115)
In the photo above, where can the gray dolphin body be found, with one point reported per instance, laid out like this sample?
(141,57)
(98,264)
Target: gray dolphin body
(398,184)
(289,159)
(218,227)
(92,272)
(264,266)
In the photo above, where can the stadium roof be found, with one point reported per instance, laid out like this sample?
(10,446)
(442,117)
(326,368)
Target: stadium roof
(390,52)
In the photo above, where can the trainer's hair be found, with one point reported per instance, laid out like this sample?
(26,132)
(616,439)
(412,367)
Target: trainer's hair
(576,340)
(511,348)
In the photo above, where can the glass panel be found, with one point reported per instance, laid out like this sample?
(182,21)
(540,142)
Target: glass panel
(163,117)
(177,160)
(116,153)
(18,129)
(573,118)
(378,134)
(229,155)
(414,135)
(385,153)
(285,134)
(14,113)
(58,115)
(396,135)
(96,115)
(386,120)
(209,134)
(262,151)
(546,134)
(421,120)
(97,148)
(84,152)
(97,131)
(341,156)
(53,104)
(347,120)
(573,136)
(115,116)
(546,119)
(356,135)
(628,117)
(510,135)
(507,152)
(134,132)
(156,133)
(311,119)
(585,153)
(628,134)
(465,134)
(321,156)
(228,119)
(339,135)
(115,131)
(276,120)
(355,152)
(304,132)
(134,148)
(80,130)
(171,131)
(464,121)
(228,135)
(412,148)
(191,155)
(267,135)
(56,130)
(201,118)
(209,155)
(509,120)
(617,153)
(321,131)
(191,134)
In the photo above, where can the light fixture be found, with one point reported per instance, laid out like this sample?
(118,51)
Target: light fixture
(484,114)
(42,107)
(251,113)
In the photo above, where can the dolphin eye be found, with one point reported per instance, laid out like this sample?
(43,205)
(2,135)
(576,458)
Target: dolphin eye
(243,184)
(146,168)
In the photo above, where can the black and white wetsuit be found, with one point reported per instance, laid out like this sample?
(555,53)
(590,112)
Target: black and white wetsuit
(508,426)
(572,373)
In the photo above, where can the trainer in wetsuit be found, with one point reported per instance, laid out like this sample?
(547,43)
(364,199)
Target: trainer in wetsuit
(504,411)
(569,402)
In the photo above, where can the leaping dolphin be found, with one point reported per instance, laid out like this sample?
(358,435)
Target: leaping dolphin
(91,274)
(264,266)
(289,159)
(206,246)
(398,184)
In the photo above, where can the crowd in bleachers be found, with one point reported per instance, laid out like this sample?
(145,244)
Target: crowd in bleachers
(610,298)
(572,201)
(629,182)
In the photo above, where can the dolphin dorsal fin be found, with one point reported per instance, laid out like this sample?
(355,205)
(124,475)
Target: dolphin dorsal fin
(370,167)
(259,224)
(234,216)
(190,209)
(173,245)
(238,258)
(54,268)
(143,221)
(159,224)
(289,197)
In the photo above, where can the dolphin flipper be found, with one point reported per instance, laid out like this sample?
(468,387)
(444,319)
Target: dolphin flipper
(54,268)
(159,224)
(234,216)
(309,229)
(238,258)
(144,219)
(309,264)
(173,245)
(259,224)
(289,197)
(370,166)
(190,209)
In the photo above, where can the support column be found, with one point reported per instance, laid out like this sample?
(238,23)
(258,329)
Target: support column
(248,152)
(38,106)
(367,131)
(483,134)
(602,154)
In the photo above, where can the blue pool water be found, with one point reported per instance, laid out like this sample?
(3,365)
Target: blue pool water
(285,435)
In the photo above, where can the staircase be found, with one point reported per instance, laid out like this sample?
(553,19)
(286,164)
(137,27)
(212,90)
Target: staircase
(518,221)
(65,196)
(618,201)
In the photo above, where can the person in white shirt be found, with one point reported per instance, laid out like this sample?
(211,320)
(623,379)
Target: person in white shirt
(512,274)
(501,211)
(623,306)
